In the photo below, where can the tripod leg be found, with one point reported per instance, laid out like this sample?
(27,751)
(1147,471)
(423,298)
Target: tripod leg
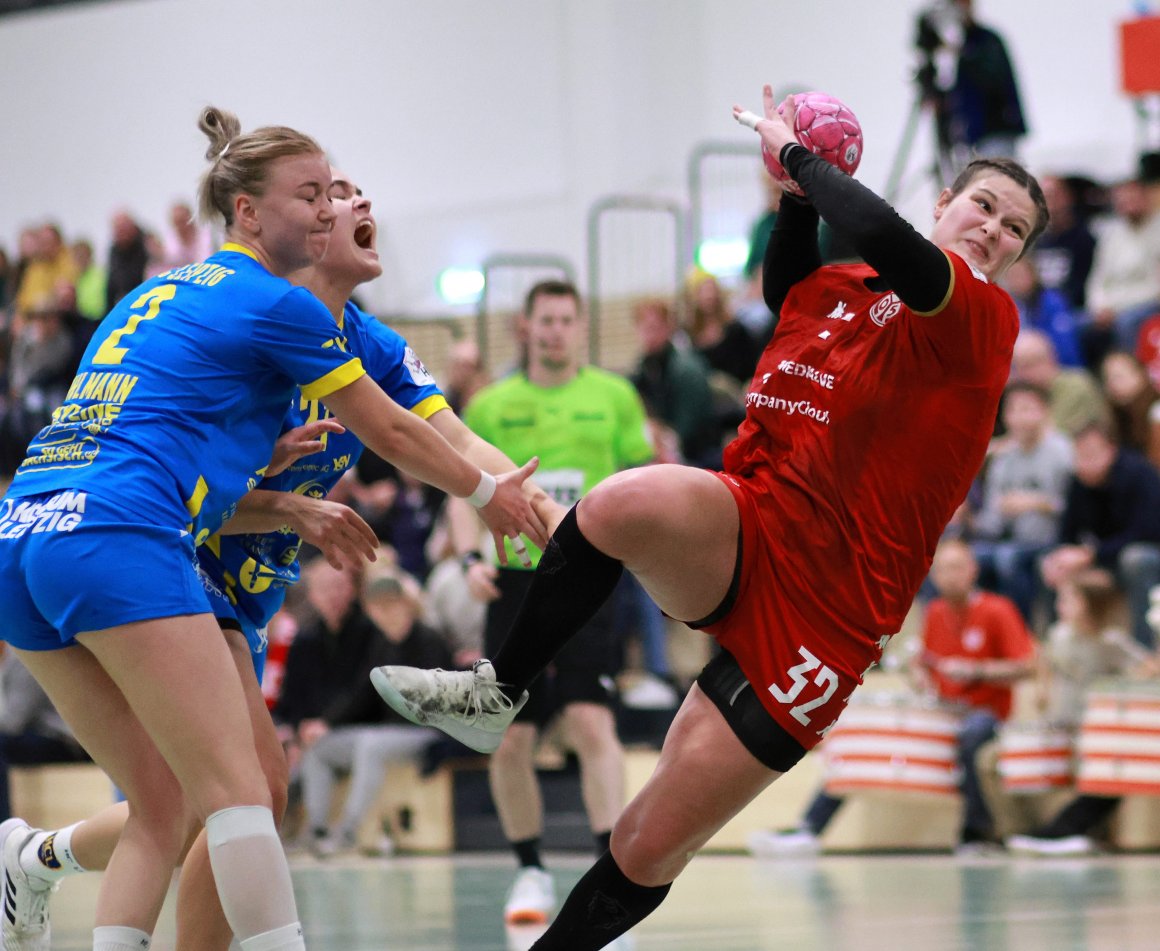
(902,153)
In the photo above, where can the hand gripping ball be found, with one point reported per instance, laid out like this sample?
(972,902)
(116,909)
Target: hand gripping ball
(827,127)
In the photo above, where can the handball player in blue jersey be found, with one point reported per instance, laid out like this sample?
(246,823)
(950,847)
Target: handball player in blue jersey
(170,421)
(248,565)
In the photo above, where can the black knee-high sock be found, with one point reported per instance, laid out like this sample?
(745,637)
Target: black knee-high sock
(572,581)
(603,905)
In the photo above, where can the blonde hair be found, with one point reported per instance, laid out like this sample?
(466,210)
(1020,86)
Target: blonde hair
(240,162)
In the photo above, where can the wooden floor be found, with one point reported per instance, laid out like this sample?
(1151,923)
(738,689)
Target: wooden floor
(726,903)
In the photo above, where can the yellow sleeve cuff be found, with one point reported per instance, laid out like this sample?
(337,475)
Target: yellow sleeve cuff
(427,408)
(336,379)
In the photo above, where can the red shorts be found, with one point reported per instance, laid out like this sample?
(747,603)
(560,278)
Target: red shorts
(802,665)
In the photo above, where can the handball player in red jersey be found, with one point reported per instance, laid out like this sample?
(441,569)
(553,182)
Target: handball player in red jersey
(867,418)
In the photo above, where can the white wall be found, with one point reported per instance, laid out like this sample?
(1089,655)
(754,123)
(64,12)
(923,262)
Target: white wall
(492,126)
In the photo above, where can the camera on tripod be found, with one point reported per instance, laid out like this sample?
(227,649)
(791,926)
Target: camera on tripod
(936,27)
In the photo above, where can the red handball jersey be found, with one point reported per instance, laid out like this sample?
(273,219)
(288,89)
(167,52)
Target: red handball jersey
(866,423)
(988,627)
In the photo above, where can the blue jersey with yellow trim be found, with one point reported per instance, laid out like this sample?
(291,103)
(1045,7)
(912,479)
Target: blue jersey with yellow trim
(254,570)
(181,393)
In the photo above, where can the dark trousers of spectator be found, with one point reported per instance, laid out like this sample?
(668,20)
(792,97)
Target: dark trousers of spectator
(978,728)
(32,749)
(1012,570)
(1078,817)
(1138,572)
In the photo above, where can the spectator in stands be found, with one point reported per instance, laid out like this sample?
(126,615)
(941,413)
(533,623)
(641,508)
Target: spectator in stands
(326,656)
(1063,255)
(401,510)
(1075,396)
(974,647)
(42,363)
(1133,398)
(1123,289)
(1111,519)
(91,282)
(1044,309)
(356,733)
(464,374)
(49,263)
(674,384)
(186,241)
(1082,645)
(31,731)
(450,609)
(128,257)
(723,342)
(1023,495)
(7,287)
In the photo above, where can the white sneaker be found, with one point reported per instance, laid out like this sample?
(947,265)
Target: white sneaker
(766,843)
(24,923)
(532,898)
(465,704)
(1034,845)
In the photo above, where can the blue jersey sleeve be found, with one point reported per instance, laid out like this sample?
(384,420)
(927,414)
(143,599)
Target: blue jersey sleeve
(299,337)
(394,365)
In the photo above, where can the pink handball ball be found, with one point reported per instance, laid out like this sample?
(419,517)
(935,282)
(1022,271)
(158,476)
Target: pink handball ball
(827,127)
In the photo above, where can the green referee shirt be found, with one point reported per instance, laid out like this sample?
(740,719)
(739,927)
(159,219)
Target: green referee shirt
(583,431)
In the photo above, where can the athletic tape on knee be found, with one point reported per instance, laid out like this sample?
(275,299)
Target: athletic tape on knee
(239,822)
(252,878)
(283,939)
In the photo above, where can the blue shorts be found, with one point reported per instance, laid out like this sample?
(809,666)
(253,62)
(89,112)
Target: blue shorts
(71,562)
(228,616)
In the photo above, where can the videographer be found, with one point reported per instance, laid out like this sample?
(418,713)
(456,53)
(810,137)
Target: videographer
(980,113)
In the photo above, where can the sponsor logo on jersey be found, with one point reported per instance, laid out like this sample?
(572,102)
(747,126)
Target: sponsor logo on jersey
(790,407)
(60,513)
(840,313)
(813,374)
(419,373)
(885,309)
(974,638)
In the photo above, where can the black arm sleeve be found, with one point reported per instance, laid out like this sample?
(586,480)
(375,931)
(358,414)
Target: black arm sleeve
(913,267)
(792,252)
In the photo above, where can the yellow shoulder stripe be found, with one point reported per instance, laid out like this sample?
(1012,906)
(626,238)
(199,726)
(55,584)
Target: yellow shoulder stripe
(946,297)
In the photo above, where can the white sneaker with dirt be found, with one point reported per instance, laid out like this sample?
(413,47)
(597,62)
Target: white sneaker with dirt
(532,898)
(24,922)
(767,843)
(465,704)
(1034,845)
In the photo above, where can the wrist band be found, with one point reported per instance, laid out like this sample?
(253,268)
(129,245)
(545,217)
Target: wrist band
(484,491)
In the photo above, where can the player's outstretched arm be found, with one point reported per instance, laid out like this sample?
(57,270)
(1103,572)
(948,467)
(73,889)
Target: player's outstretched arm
(417,448)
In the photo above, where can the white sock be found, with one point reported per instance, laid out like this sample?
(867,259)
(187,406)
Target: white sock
(253,879)
(117,938)
(49,856)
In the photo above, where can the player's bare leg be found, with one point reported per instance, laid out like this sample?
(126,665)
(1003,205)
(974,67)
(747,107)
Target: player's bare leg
(201,923)
(663,827)
(590,730)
